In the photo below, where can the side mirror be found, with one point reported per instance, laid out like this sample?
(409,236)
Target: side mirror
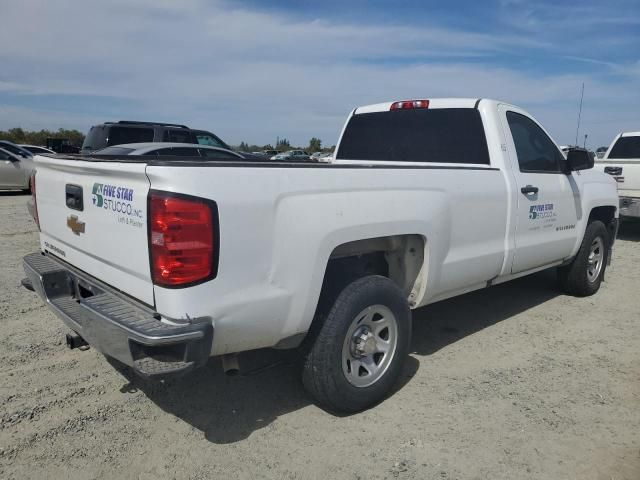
(579,159)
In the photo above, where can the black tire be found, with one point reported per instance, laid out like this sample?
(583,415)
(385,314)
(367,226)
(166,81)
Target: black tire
(574,278)
(323,374)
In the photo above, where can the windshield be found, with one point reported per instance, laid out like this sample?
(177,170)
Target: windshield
(37,150)
(15,149)
(626,147)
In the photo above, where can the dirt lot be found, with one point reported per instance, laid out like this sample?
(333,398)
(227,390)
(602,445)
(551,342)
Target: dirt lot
(515,382)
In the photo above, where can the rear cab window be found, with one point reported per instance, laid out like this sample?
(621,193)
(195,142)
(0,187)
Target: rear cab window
(442,135)
(625,148)
(96,138)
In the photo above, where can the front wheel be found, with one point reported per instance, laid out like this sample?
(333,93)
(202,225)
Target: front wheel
(361,348)
(583,276)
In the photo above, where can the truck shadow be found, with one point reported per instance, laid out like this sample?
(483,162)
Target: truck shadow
(629,230)
(440,324)
(229,409)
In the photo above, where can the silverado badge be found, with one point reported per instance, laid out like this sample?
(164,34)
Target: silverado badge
(76,226)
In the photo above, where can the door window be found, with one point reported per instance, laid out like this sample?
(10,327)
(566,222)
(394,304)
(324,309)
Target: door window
(120,135)
(178,136)
(204,138)
(218,154)
(535,150)
(177,152)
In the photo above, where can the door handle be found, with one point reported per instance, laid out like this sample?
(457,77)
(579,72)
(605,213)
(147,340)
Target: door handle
(613,170)
(529,189)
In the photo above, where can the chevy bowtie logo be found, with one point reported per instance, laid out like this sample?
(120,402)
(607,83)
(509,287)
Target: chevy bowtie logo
(75,226)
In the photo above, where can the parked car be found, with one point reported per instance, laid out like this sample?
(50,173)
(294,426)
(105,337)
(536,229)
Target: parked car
(116,133)
(161,264)
(15,170)
(162,149)
(36,150)
(270,153)
(15,149)
(291,155)
(622,162)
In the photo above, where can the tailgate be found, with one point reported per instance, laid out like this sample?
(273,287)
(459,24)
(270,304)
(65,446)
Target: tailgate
(106,235)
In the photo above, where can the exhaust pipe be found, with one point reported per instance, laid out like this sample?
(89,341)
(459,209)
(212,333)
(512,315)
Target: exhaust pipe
(230,364)
(73,340)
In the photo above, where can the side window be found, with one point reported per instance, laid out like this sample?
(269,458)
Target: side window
(206,139)
(178,136)
(536,152)
(4,156)
(120,135)
(177,152)
(218,154)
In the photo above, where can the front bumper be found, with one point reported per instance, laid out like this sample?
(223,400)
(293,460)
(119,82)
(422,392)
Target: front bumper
(116,325)
(630,207)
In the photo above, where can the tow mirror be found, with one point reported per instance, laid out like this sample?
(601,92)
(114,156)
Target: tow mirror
(579,159)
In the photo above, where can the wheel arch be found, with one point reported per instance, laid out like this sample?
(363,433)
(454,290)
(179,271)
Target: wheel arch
(402,258)
(607,215)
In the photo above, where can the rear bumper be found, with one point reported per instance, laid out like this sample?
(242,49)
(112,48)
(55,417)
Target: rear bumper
(630,207)
(116,325)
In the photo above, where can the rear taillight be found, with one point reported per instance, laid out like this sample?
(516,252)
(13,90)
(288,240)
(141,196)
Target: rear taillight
(409,104)
(182,239)
(32,204)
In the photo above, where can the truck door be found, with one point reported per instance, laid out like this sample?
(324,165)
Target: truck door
(547,198)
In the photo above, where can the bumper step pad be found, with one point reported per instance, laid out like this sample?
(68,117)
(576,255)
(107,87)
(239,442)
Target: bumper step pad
(117,325)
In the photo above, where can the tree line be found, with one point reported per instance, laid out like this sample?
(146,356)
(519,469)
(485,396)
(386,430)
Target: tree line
(32,137)
(315,145)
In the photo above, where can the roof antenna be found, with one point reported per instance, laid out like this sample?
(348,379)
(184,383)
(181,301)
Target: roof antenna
(579,114)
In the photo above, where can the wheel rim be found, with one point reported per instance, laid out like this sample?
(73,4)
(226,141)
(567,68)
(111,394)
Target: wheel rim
(595,260)
(369,346)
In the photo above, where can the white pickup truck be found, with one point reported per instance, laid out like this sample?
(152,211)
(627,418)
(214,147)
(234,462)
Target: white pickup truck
(622,161)
(161,263)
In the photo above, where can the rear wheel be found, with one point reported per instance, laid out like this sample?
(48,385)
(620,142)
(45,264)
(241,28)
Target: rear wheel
(583,276)
(359,351)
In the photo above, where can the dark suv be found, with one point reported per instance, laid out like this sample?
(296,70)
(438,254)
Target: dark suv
(124,131)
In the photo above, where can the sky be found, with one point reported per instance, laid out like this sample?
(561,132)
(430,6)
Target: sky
(257,70)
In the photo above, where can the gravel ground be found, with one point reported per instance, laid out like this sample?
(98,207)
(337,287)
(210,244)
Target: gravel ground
(514,382)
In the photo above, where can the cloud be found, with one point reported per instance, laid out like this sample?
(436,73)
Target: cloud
(252,76)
